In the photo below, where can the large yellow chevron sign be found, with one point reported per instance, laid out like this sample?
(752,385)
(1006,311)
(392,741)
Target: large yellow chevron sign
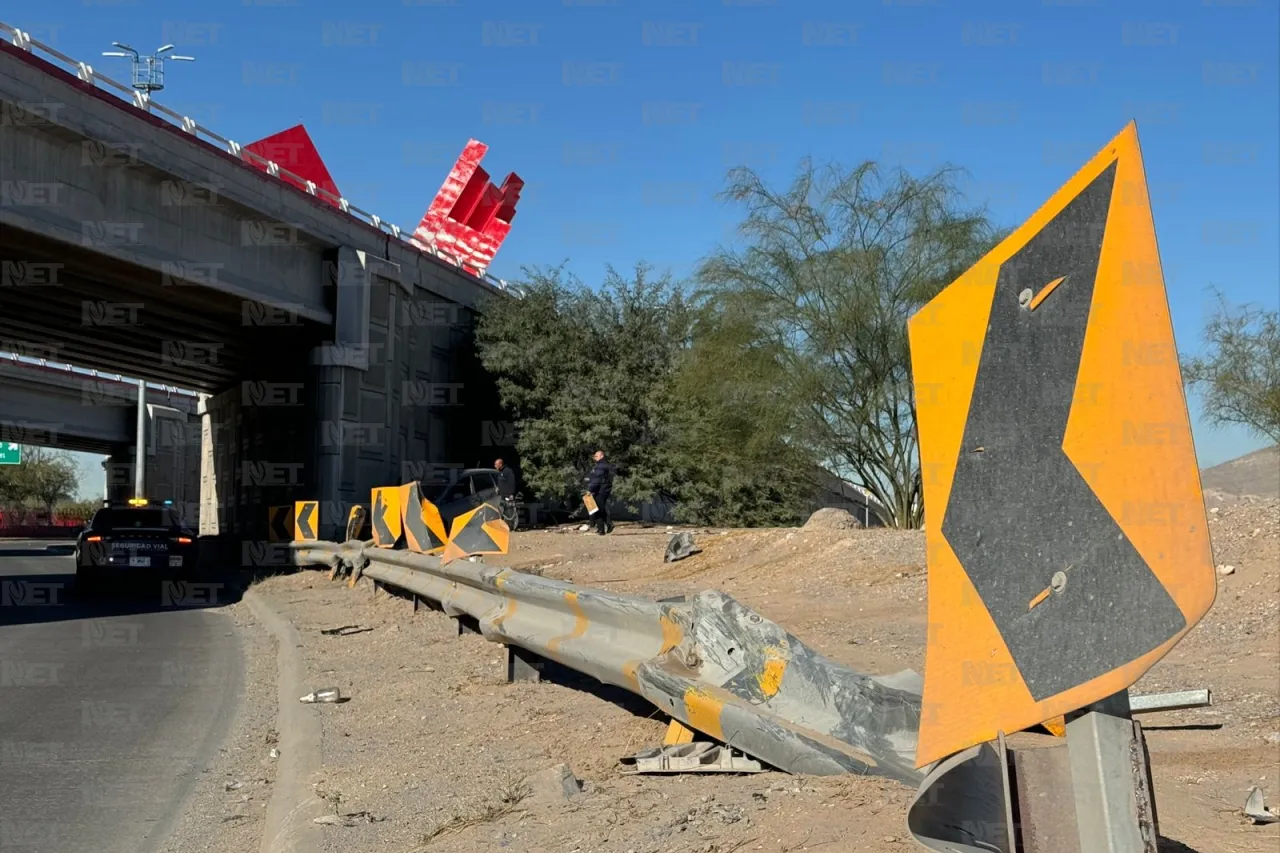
(400,515)
(423,528)
(1067,543)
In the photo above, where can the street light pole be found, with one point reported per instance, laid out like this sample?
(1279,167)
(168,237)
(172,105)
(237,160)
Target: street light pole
(148,71)
(140,441)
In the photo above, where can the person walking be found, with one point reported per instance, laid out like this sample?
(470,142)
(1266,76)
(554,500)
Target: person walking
(600,486)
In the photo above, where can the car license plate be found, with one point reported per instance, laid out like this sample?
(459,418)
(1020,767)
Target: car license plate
(175,562)
(139,562)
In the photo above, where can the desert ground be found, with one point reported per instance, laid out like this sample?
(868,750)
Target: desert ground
(436,752)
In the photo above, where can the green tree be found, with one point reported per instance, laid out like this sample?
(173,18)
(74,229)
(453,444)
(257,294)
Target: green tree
(744,461)
(830,270)
(77,510)
(12,492)
(580,369)
(50,476)
(1239,372)
(44,477)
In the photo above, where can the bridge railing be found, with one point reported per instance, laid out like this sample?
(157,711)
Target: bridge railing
(142,101)
(103,376)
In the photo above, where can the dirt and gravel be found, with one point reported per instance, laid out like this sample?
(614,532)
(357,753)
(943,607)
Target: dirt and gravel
(436,752)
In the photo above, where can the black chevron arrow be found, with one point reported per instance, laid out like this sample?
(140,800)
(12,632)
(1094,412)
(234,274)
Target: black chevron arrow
(1071,596)
(279,526)
(306,521)
(381,532)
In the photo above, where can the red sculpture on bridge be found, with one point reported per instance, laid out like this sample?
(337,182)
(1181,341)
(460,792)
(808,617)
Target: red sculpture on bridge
(293,151)
(468,219)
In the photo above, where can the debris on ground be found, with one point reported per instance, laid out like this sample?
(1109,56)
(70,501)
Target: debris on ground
(552,786)
(699,757)
(345,630)
(1255,808)
(324,695)
(348,819)
(679,546)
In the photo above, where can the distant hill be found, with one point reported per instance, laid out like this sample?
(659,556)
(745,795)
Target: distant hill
(1256,473)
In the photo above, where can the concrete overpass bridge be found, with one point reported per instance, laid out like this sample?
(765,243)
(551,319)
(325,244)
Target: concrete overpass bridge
(335,354)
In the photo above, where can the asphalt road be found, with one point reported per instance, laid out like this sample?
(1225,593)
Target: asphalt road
(109,709)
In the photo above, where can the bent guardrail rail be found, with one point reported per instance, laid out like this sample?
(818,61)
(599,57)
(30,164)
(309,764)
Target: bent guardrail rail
(724,670)
(707,660)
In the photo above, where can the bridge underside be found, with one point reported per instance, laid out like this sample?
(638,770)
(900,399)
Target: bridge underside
(73,304)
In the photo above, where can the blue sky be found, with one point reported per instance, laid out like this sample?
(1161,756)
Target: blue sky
(623,116)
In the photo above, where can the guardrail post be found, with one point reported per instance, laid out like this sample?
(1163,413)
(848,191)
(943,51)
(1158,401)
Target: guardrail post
(420,603)
(1111,779)
(523,665)
(467,625)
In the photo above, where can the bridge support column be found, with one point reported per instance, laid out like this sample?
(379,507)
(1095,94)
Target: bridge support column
(118,474)
(400,394)
(358,378)
(210,502)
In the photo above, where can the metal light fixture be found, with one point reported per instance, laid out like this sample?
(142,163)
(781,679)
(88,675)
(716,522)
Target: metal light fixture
(148,71)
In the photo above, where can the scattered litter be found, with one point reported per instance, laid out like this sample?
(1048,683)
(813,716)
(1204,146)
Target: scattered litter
(583,528)
(554,785)
(345,630)
(326,695)
(679,546)
(274,753)
(700,757)
(1255,808)
(349,819)
(1226,570)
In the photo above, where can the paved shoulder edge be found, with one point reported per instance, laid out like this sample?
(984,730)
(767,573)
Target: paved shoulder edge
(290,826)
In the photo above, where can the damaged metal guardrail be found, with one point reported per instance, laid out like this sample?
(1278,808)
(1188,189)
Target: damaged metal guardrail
(709,661)
(724,670)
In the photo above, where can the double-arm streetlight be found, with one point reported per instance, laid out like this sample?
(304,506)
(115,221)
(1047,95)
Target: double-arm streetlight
(148,71)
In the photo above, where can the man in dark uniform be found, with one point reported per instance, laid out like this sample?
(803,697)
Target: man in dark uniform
(506,479)
(600,485)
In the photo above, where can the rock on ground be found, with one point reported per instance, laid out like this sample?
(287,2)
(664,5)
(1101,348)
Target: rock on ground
(679,546)
(832,518)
